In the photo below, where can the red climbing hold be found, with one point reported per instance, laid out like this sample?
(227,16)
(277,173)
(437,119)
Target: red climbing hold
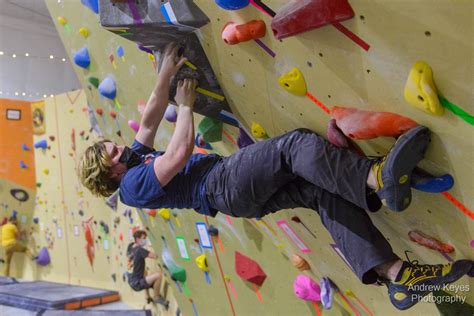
(234,33)
(300,16)
(429,242)
(248,269)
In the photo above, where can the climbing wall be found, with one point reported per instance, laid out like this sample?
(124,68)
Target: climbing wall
(363,62)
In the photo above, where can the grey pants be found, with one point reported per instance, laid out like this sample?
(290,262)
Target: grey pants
(302,169)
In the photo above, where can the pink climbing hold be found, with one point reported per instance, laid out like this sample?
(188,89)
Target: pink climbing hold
(472,243)
(134,125)
(307,289)
(360,124)
(338,139)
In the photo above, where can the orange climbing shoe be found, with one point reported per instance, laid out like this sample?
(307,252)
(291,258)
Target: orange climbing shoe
(393,172)
(415,281)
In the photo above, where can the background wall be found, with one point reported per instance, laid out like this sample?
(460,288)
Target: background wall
(337,72)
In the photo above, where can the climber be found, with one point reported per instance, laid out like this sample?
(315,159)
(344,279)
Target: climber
(297,169)
(138,279)
(11,244)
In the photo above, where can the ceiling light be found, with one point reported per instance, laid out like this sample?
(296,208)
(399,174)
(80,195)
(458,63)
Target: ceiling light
(16,93)
(26,54)
(45,96)
(51,56)
(14,55)
(1,92)
(1,53)
(64,59)
(23,93)
(52,95)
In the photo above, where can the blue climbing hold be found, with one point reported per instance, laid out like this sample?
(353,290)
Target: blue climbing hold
(120,51)
(199,142)
(107,88)
(81,57)
(43,258)
(232,4)
(92,4)
(23,165)
(24,147)
(41,144)
(431,184)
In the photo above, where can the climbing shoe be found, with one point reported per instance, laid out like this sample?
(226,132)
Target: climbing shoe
(162,301)
(415,281)
(393,172)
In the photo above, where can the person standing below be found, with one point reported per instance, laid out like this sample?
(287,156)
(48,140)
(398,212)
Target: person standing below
(11,244)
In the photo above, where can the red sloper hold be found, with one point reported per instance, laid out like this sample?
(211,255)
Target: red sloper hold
(248,269)
(300,16)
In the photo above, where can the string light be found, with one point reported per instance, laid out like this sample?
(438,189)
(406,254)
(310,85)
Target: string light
(1,53)
(64,59)
(23,93)
(26,54)
(45,96)
(14,55)
(51,56)
(16,93)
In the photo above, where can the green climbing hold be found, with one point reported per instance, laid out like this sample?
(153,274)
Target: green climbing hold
(178,273)
(210,130)
(94,81)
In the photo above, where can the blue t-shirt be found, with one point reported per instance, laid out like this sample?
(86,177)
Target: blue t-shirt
(140,187)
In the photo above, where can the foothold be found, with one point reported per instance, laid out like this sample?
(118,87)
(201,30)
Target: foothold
(99,111)
(92,4)
(113,115)
(170,114)
(43,258)
(134,125)
(46,171)
(43,144)
(114,277)
(210,129)
(120,52)
(306,289)
(232,4)
(62,20)
(23,165)
(52,138)
(151,212)
(24,147)
(212,230)
(199,142)
(429,242)
(201,262)
(472,243)
(360,124)
(107,88)
(244,139)
(420,89)
(94,81)
(248,269)
(84,31)
(301,16)
(299,262)
(327,292)
(258,131)
(82,58)
(293,82)
(165,213)
(234,33)
(423,181)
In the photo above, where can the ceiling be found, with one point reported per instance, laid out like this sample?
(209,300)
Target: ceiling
(27,28)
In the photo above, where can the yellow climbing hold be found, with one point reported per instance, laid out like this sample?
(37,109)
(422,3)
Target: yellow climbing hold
(420,89)
(84,31)
(201,262)
(403,179)
(293,82)
(62,20)
(165,213)
(258,131)
(46,171)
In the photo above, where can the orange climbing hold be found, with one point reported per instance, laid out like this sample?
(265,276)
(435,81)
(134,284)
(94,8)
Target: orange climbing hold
(360,124)
(234,33)
(429,242)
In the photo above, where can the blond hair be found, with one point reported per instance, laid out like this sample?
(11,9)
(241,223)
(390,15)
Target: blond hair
(94,170)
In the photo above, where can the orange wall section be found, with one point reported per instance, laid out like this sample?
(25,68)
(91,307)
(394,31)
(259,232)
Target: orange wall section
(13,134)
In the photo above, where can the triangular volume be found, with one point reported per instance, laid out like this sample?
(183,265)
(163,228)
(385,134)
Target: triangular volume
(248,269)
(301,16)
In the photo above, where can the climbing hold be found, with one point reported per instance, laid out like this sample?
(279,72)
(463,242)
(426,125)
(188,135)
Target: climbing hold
(165,213)
(248,269)
(134,125)
(258,131)
(104,226)
(43,258)
(35,220)
(199,142)
(113,115)
(99,111)
(94,81)
(210,129)
(62,20)
(327,293)
(234,33)
(300,16)
(43,144)
(84,31)
(212,230)
(20,195)
(107,88)
(420,89)
(151,212)
(299,262)
(232,4)
(46,171)
(24,147)
(423,181)
(170,114)
(23,165)
(201,262)
(121,53)
(293,82)
(82,58)
(306,289)
(92,4)
(244,139)
(429,242)
(360,124)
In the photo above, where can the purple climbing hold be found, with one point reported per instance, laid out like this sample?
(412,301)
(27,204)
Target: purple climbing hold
(244,139)
(170,114)
(326,293)
(43,258)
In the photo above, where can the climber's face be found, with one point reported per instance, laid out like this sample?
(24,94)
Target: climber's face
(117,169)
